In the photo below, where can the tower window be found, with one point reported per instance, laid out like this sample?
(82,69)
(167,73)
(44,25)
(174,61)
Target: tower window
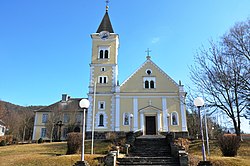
(101,120)
(103,79)
(103,69)
(101,54)
(106,54)
(101,105)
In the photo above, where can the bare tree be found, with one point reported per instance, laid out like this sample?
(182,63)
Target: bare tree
(3,111)
(55,115)
(222,73)
(26,123)
(64,114)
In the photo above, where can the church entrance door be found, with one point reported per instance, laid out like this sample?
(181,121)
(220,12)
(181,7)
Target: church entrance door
(150,125)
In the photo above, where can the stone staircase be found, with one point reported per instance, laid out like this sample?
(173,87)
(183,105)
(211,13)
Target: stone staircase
(150,150)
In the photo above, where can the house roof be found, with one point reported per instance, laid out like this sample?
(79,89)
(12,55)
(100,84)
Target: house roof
(71,104)
(105,24)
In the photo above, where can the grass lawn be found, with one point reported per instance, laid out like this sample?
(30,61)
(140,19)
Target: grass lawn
(52,154)
(242,159)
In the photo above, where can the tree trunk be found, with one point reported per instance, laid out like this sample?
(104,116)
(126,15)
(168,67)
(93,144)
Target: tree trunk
(24,133)
(51,134)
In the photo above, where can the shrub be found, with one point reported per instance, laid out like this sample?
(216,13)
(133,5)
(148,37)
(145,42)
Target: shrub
(3,143)
(182,142)
(229,144)
(74,143)
(9,139)
(40,141)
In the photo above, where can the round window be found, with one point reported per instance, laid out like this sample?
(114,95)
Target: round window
(149,72)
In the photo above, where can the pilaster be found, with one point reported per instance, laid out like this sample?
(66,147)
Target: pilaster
(135,106)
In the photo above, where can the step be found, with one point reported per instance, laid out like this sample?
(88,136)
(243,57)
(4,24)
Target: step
(148,161)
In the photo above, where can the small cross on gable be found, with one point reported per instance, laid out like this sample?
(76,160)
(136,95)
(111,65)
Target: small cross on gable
(148,51)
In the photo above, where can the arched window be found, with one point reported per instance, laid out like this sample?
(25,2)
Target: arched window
(101,120)
(146,84)
(101,54)
(126,119)
(174,118)
(152,84)
(106,54)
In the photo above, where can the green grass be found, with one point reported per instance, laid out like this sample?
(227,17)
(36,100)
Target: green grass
(45,154)
(242,159)
(53,154)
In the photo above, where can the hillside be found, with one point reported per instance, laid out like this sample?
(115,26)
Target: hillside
(13,107)
(19,120)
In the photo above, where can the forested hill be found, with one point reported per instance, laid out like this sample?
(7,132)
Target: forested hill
(6,106)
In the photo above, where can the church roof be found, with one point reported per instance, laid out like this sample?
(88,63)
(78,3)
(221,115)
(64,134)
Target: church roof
(157,67)
(105,24)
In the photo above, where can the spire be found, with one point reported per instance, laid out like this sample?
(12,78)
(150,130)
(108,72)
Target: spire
(106,23)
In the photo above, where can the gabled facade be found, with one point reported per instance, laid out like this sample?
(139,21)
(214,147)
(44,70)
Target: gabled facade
(56,120)
(149,100)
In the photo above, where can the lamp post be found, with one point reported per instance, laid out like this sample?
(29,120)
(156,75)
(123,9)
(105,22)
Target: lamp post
(93,121)
(84,103)
(199,102)
(168,117)
(131,117)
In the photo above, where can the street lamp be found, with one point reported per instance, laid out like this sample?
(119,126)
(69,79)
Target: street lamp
(84,103)
(131,117)
(199,102)
(168,117)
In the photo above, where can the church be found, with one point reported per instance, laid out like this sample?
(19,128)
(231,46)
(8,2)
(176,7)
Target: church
(148,100)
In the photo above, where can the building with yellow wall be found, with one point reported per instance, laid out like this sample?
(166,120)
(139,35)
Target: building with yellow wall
(149,100)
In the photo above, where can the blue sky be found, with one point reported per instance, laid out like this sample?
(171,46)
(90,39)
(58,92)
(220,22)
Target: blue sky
(45,45)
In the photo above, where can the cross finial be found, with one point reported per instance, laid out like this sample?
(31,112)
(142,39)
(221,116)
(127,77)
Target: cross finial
(148,51)
(107,5)
(150,102)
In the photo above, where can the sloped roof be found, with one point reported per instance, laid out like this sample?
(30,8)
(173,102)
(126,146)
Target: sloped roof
(157,67)
(71,104)
(105,24)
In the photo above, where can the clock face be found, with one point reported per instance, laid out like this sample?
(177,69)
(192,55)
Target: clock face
(104,35)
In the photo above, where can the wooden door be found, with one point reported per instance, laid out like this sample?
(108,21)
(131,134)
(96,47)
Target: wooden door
(150,125)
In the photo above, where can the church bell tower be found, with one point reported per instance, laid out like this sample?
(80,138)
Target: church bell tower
(103,75)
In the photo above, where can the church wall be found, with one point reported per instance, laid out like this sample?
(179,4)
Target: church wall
(106,112)
(173,105)
(126,106)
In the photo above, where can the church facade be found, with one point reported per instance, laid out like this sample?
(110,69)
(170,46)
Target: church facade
(149,100)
